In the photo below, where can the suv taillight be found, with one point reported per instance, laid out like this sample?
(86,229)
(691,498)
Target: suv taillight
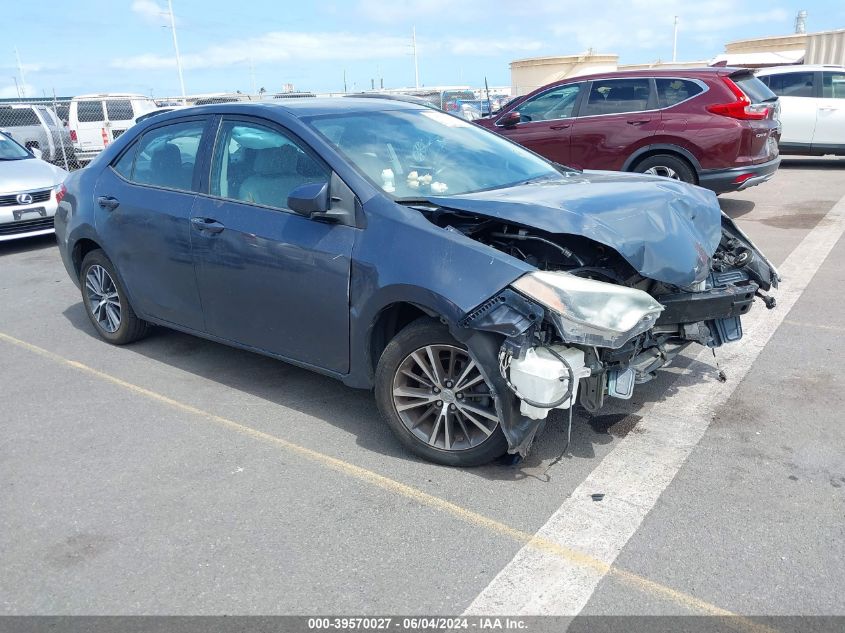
(742,108)
(73,137)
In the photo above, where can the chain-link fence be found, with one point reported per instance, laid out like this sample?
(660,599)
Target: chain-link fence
(41,125)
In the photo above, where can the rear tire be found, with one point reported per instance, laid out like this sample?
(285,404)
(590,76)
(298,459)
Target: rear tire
(667,166)
(106,303)
(432,396)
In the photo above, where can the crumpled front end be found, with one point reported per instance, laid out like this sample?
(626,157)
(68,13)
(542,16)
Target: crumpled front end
(587,327)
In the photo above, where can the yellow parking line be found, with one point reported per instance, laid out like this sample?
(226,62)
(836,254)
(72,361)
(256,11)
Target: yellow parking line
(424,498)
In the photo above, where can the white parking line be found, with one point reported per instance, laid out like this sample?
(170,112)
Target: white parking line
(635,474)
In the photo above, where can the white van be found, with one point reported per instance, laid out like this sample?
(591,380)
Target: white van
(96,120)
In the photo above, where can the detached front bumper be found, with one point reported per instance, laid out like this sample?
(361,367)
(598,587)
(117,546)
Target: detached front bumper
(737,178)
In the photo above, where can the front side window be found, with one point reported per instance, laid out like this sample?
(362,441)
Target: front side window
(672,91)
(89,111)
(48,116)
(616,96)
(791,84)
(165,156)
(833,85)
(119,109)
(557,103)
(260,165)
(416,153)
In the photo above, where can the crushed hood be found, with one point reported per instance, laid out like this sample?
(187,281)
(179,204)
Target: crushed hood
(667,230)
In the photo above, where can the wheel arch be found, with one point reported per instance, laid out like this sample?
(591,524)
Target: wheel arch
(662,148)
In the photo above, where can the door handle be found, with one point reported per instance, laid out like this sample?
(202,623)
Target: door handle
(828,108)
(208,225)
(560,126)
(637,121)
(108,202)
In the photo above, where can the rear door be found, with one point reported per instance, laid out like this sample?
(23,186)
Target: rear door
(90,124)
(830,125)
(546,122)
(145,200)
(119,117)
(617,117)
(269,278)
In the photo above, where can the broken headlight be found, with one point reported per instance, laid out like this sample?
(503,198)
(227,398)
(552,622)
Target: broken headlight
(591,312)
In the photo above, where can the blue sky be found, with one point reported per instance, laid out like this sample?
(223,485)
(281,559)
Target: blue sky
(125,45)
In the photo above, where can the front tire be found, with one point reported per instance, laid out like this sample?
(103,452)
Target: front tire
(435,400)
(106,303)
(667,166)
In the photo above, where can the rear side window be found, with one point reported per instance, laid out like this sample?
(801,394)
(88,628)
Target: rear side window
(119,109)
(791,84)
(18,117)
(48,117)
(166,156)
(615,96)
(126,162)
(89,111)
(833,85)
(557,103)
(753,88)
(672,91)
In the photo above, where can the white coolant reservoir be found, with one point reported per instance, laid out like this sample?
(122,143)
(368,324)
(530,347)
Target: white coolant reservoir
(541,377)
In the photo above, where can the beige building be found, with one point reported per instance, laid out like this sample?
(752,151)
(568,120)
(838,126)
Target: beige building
(530,74)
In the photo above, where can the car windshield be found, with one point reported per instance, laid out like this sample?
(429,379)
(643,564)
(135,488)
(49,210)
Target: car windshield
(9,150)
(418,153)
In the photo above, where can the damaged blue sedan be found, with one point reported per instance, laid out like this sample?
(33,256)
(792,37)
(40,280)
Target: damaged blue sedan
(472,284)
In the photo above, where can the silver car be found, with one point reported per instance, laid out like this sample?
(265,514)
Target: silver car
(38,127)
(30,192)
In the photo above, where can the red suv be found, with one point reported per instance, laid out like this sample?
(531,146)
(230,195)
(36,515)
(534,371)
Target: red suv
(714,127)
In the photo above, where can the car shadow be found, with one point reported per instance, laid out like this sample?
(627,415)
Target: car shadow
(812,162)
(736,207)
(25,244)
(354,411)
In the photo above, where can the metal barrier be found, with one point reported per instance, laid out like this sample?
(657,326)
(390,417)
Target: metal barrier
(41,126)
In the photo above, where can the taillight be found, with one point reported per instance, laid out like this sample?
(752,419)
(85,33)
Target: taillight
(60,193)
(73,136)
(742,108)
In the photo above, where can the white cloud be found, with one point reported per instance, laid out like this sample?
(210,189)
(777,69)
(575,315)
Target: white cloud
(11,91)
(426,14)
(150,11)
(286,46)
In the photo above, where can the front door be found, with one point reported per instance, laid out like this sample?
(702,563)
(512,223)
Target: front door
(617,118)
(545,124)
(144,209)
(269,278)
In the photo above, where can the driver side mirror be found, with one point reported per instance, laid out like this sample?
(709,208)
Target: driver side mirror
(309,199)
(36,152)
(510,119)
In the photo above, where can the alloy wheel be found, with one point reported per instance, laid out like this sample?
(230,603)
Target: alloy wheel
(442,398)
(663,171)
(103,299)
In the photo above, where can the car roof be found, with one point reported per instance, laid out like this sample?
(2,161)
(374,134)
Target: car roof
(299,107)
(795,68)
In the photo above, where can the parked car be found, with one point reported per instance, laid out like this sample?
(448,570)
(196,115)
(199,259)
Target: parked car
(713,127)
(97,120)
(30,190)
(400,248)
(812,101)
(37,127)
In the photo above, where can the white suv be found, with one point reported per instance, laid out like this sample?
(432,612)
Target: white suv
(96,120)
(812,107)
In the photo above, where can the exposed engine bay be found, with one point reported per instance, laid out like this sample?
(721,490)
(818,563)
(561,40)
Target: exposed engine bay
(551,350)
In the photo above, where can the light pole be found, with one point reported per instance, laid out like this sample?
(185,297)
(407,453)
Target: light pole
(416,65)
(176,48)
(675,41)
